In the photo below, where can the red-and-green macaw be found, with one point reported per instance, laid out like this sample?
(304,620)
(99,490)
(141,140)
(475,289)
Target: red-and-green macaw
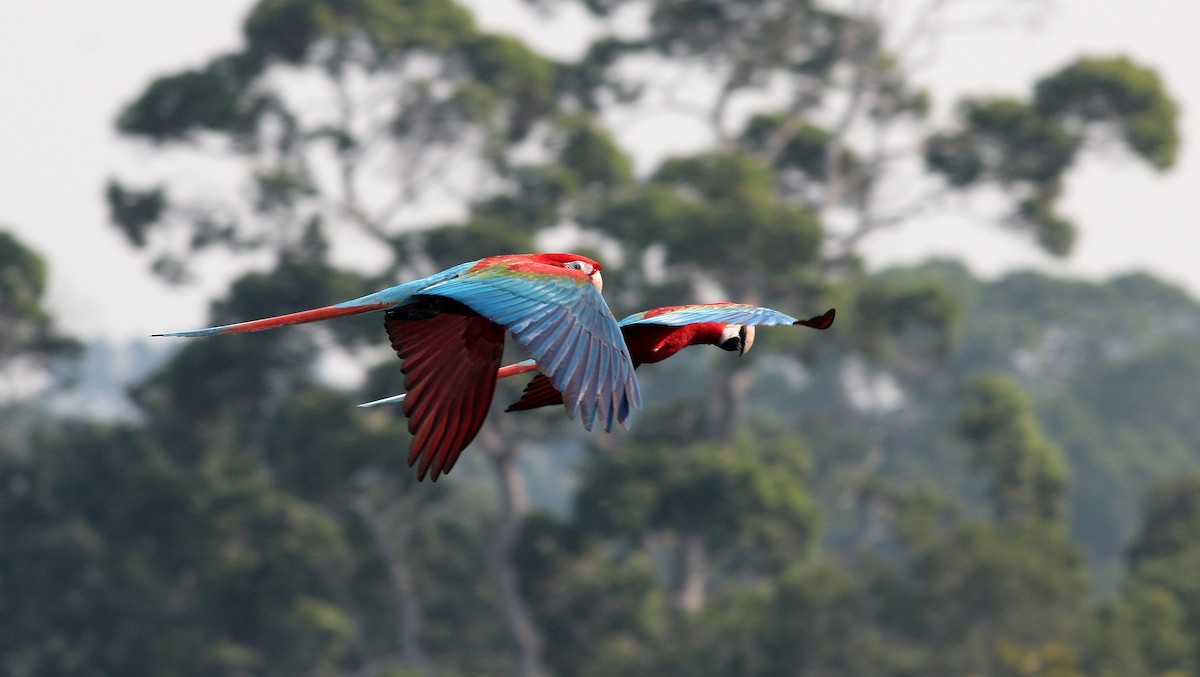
(448,330)
(654,335)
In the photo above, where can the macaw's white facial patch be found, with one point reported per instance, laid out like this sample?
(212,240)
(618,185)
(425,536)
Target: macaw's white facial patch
(747,338)
(736,337)
(587,269)
(731,339)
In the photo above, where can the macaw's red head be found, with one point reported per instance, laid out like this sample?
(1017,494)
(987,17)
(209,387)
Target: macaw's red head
(574,262)
(736,337)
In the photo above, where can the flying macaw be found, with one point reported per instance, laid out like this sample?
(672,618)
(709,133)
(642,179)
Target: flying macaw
(654,335)
(448,330)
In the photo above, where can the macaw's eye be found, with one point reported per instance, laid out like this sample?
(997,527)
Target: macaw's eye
(579,265)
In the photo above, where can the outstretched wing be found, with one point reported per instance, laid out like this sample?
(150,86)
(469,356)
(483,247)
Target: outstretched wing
(379,300)
(564,324)
(724,313)
(541,392)
(450,358)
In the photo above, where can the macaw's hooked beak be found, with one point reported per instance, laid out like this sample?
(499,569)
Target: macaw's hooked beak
(597,280)
(737,337)
(747,339)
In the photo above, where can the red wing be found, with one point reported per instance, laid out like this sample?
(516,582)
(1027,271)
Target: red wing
(539,393)
(450,356)
(820,321)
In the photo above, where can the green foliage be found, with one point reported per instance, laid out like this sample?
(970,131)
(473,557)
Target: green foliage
(917,317)
(1149,392)
(514,72)
(1118,92)
(592,155)
(288,30)
(135,211)
(1029,475)
(715,214)
(594,610)
(978,589)
(26,329)
(437,83)
(173,108)
(453,244)
(1165,552)
(815,622)
(803,149)
(1014,144)
(750,495)
(1027,148)
(758,36)
(117,561)
(1141,633)
(322,444)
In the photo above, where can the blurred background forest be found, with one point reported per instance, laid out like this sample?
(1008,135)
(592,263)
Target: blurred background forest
(961,477)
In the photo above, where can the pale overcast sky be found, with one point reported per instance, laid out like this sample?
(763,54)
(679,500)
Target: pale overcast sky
(66,68)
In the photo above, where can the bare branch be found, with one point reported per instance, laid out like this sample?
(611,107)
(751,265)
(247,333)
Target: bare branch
(513,504)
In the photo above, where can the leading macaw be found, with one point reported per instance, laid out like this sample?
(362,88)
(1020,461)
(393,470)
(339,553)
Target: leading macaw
(654,335)
(448,330)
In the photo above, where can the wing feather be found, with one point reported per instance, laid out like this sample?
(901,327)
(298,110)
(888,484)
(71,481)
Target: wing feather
(540,392)
(725,313)
(450,362)
(565,325)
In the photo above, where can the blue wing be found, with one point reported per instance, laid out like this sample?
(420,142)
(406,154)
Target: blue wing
(565,325)
(725,313)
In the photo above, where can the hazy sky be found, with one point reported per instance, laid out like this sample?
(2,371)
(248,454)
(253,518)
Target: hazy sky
(66,68)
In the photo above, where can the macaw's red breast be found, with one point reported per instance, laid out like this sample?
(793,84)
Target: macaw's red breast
(649,343)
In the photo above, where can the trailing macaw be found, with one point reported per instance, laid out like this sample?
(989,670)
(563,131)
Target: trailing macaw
(654,335)
(448,330)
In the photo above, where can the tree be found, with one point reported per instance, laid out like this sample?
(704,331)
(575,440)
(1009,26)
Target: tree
(27,334)
(411,90)
(748,508)
(118,561)
(407,104)
(1028,474)
(1164,557)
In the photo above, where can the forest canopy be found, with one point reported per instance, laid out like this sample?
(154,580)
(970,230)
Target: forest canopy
(961,476)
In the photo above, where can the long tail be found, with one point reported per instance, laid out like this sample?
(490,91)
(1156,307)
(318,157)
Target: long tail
(503,372)
(518,368)
(328,312)
(385,400)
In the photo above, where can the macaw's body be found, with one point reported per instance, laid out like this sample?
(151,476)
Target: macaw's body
(654,335)
(448,330)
